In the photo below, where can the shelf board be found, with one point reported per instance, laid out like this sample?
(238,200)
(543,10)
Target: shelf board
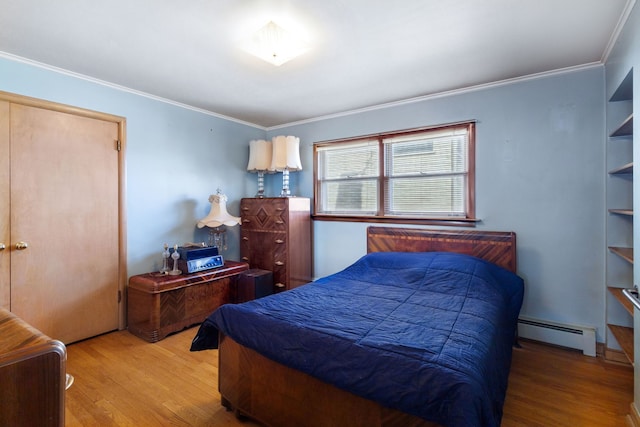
(625,129)
(624,92)
(625,169)
(617,293)
(625,212)
(624,336)
(625,253)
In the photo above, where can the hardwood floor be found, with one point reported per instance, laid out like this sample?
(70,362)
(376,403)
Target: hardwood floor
(121,380)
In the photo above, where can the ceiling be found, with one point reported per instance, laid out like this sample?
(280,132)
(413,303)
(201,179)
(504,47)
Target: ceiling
(365,53)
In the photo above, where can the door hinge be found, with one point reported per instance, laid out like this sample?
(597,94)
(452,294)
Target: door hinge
(118,145)
(119,296)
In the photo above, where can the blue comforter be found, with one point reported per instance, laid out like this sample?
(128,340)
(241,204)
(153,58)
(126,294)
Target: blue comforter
(429,334)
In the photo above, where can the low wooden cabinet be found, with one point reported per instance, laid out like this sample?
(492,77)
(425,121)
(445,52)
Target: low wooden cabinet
(253,284)
(276,236)
(159,304)
(32,375)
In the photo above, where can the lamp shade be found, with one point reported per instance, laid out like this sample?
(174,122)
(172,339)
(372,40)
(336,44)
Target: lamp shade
(218,214)
(259,155)
(286,154)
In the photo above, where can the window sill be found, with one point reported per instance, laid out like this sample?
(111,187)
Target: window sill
(450,221)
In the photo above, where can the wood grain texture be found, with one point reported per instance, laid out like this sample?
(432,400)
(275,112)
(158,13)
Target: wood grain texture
(32,375)
(276,236)
(121,380)
(54,157)
(493,246)
(158,305)
(5,206)
(276,395)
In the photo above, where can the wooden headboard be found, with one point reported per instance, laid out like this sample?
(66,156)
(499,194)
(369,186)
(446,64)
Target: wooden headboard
(494,246)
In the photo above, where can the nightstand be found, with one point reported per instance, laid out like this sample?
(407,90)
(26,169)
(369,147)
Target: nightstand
(160,304)
(254,283)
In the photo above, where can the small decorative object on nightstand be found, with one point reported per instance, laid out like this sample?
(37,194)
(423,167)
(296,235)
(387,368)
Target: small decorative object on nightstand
(165,259)
(175,256)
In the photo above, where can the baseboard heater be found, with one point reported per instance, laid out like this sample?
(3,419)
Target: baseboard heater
(571,336)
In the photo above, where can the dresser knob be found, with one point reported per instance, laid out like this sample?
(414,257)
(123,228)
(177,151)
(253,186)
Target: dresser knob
(279,285)
(245,238)
(279,263)
(279,222)
(246,220)
(244,258)
(279,241)
(279,209)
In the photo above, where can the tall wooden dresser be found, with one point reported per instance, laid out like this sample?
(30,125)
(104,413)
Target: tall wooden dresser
(276,236)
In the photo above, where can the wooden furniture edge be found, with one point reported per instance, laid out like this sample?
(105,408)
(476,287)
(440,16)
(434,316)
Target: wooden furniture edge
(497,247)
(159,305)
(34,368)
(153,283)
(633,418)
(299,397)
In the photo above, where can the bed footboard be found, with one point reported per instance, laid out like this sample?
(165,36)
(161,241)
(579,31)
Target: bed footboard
(256,387)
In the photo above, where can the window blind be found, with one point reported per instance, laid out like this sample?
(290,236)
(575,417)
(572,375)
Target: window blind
(349,175)
(417,174)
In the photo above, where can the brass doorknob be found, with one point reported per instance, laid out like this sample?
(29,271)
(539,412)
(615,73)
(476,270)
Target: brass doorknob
(21,246)
(2,247)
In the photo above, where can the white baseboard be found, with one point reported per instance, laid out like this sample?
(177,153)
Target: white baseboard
(571,336)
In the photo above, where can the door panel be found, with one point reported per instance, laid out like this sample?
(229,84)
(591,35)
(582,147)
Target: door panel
(5,254)
(64,205)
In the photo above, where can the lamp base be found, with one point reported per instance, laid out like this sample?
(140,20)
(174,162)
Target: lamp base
(285,184)
(260,193)
(217,237)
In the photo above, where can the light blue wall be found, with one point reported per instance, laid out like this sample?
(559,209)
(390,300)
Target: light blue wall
(540,168)
(175,158)
(540,173)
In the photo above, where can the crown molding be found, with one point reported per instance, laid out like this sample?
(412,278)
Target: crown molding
(443,94)
(122,88)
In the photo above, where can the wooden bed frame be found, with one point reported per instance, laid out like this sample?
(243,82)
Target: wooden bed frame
(256,387)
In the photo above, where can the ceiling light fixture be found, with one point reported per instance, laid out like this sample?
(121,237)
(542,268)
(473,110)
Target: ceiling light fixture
(274,44)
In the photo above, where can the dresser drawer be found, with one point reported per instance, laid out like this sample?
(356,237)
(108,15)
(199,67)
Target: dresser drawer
(263,249)
(261,216)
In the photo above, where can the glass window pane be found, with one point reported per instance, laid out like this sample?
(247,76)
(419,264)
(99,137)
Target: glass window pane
(443,195)
(425,155)
(349,160)
(354,196)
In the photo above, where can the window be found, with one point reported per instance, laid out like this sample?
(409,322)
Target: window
(424,175)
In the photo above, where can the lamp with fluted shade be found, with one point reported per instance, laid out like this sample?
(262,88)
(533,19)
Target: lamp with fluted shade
(218,220)
(285,157)
(259,161)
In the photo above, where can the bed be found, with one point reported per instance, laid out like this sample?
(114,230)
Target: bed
(418,332)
